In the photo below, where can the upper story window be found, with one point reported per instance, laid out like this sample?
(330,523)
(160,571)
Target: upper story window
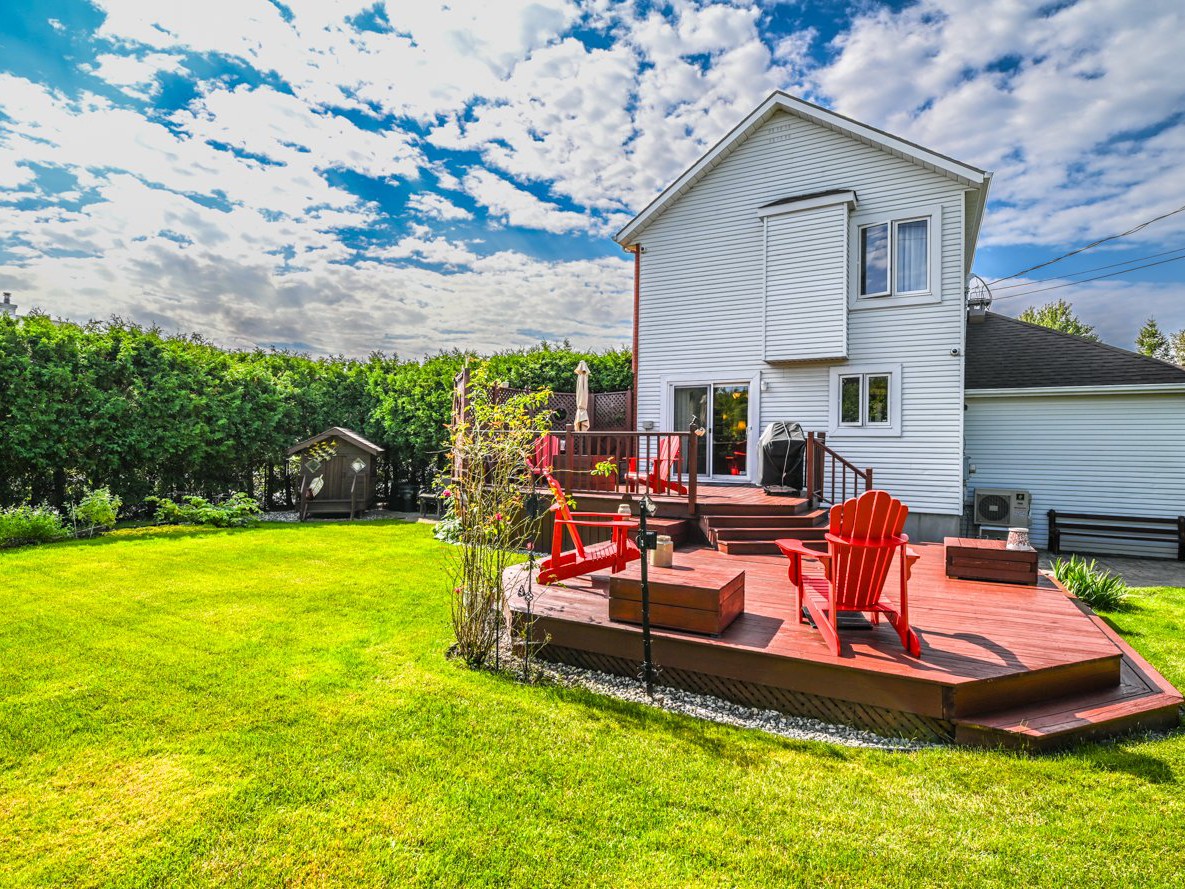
(894,257)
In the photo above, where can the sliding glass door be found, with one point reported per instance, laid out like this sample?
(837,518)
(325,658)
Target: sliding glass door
(723,410)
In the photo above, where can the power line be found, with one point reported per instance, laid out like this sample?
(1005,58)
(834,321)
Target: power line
(1095,278)
(1096,268)
(1089,246)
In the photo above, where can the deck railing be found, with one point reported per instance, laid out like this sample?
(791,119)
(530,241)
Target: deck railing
(829,477)
(636,458)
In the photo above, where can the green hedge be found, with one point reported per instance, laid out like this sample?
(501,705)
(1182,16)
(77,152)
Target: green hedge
(146,414)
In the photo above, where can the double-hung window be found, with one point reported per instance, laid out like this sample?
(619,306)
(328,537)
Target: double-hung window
(894,257)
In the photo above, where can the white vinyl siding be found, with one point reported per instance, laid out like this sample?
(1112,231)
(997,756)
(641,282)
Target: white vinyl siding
(806,303)
(1106,454)
(702,308)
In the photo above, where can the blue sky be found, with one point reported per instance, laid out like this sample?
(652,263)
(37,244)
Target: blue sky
(348,176)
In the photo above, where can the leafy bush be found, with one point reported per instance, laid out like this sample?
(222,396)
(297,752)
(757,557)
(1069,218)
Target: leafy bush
(1095,586)
(96,511)
(20,525)
(237,510)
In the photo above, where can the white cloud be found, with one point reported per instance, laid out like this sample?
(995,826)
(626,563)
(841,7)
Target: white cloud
(136,75)
(436,206)
(517,207)
(1049,100)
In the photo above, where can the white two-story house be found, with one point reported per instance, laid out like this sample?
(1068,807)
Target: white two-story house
(813,269)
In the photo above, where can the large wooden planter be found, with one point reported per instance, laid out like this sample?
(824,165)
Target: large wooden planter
(970,558)
(703,600)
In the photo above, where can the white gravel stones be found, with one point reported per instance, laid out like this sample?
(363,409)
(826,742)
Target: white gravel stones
(799,728)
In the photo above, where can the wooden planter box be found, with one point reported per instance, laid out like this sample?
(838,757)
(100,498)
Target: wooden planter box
(970,558)
(699,600)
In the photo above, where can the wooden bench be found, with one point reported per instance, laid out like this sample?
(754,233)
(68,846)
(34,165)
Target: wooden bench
(1148,529)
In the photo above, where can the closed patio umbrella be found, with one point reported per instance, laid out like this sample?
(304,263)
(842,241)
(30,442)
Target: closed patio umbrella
(581,423)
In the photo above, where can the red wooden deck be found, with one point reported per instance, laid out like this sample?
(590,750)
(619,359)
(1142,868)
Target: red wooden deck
(1001,664)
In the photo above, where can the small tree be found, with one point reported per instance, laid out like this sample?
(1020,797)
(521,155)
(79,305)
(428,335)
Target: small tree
(1152,342)
(1059,315)
(1177,345)
(488,508)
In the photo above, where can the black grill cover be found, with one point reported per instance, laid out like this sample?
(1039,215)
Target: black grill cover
(783,452)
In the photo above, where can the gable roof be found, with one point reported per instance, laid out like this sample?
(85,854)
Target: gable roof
(340,432)
(972,177)
(1006,353)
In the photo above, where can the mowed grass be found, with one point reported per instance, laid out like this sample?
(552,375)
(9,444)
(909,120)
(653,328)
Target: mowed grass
(274,707)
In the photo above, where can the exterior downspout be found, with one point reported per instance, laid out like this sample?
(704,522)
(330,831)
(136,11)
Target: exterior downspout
(636,249)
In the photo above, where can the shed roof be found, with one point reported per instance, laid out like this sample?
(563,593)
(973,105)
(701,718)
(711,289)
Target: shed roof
(1006,353)
(340,432)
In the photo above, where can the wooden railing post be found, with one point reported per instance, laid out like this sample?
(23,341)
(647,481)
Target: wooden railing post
(692,469)
(868,479)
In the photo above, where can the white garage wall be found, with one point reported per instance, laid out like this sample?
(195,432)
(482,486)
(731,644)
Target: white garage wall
(1109,454)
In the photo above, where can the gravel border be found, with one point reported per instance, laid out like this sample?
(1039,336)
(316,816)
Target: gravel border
(711,709)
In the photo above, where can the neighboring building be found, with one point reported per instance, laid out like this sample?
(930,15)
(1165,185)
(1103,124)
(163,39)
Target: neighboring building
(7,306)
(813,269)
(1080,426)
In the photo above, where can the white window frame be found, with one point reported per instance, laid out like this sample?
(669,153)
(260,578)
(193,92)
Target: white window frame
(864,428)
(894,297)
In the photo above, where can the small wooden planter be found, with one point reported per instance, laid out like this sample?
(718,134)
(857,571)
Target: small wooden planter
(971,558)
(699,600)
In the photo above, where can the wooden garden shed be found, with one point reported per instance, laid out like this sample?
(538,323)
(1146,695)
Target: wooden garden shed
(336,473)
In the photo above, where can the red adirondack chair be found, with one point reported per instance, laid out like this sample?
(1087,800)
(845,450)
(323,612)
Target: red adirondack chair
(547,450)
(614,553)
(659,479)
(865,532)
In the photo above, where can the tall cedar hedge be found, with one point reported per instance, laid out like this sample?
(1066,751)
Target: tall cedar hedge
(124,406)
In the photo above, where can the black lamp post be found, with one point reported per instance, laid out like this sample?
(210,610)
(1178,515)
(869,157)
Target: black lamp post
(647,540)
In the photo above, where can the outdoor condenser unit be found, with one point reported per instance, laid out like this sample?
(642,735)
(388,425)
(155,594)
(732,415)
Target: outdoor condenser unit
(1006,507)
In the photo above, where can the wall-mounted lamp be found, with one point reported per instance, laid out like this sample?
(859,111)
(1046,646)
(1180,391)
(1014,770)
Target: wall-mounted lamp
(765,385)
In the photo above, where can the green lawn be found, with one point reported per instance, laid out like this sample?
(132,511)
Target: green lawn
(273,707)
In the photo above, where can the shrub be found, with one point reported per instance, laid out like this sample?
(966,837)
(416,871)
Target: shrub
(487,510)
(20,525)
(96,511)
(237,510)
(1095,586)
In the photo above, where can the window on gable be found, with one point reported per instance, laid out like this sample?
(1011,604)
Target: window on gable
(864,399)
(895,257)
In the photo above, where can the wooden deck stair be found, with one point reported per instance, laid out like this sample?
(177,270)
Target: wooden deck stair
(750,528)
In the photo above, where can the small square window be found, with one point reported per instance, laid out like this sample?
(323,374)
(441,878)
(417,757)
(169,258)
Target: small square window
(849,398)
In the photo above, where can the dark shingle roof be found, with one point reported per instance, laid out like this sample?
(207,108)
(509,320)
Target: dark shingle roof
(1004,353)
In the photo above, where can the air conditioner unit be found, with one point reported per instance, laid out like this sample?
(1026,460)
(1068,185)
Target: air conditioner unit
(1006,507)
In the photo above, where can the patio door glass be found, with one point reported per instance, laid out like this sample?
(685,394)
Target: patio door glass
(691,402)
(723,410)
(730,430)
